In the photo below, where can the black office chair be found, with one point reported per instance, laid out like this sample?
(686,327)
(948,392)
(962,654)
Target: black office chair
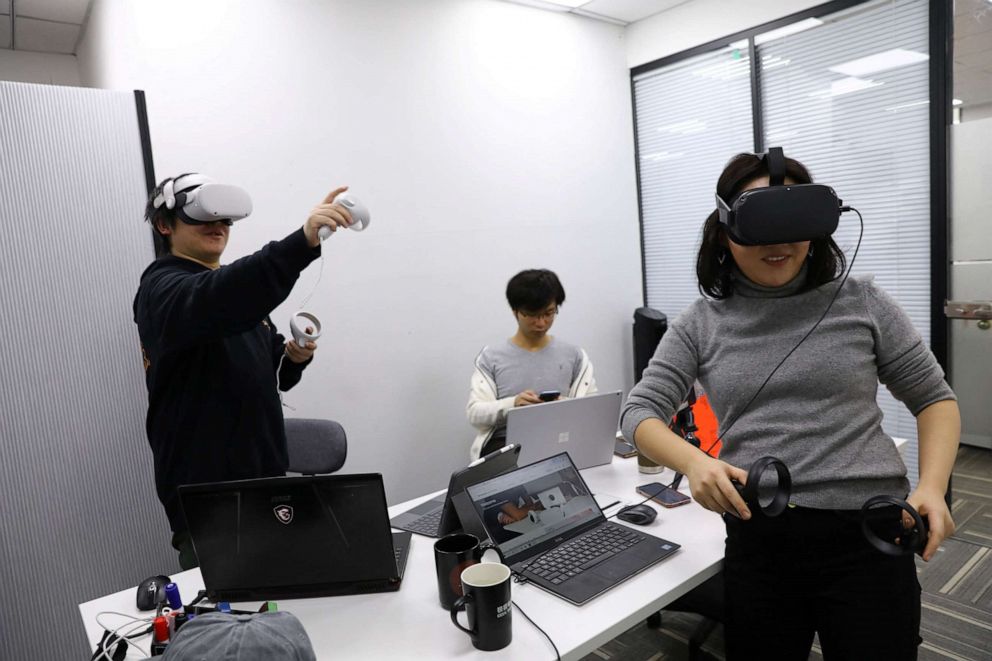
(706,599)
(315,446)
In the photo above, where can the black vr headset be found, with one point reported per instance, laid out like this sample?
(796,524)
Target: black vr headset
(780,213)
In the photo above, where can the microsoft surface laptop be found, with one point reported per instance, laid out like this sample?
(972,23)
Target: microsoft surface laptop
(292,537)
(452,510)
(585,427)
(550,530)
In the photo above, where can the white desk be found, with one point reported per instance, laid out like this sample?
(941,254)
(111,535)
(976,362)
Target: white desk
(410,624)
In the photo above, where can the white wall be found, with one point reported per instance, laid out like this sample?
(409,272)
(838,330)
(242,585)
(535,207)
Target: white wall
(701,21)
(485,137)
(46,68)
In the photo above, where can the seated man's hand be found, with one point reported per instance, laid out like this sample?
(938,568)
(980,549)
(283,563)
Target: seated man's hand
(299,354)
(526,397)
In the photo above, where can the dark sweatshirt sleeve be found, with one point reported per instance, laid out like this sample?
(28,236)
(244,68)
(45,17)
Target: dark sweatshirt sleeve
(188,308)
(906,365)
(290,373)
(665,383)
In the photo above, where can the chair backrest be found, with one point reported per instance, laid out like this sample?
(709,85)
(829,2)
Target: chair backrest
(315,446)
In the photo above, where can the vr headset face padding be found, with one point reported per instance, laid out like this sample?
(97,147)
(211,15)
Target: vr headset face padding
(780,213)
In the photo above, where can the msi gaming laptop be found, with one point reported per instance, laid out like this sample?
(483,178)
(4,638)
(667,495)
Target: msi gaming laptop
(291,537)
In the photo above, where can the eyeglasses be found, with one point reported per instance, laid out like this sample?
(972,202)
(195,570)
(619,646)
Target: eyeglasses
(547,314)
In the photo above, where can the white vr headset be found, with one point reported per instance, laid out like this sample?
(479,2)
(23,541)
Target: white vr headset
(198,200)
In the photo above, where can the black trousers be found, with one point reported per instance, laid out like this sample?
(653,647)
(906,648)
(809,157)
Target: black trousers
(809,571)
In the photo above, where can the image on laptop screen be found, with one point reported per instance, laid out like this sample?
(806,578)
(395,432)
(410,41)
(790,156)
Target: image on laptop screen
(533,504)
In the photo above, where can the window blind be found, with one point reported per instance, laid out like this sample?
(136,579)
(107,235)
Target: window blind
(850,99)
(691,118)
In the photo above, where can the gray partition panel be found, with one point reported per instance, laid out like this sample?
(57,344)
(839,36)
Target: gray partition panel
(80,516)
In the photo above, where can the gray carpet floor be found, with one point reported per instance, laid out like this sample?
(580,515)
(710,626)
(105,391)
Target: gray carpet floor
(957,588)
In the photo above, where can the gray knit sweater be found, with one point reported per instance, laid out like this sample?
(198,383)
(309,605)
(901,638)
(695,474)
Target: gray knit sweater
(818,413)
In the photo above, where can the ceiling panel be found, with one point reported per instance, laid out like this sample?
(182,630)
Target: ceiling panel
(973,52)
(628,10)
(45,36)
(65,11)
(4,32)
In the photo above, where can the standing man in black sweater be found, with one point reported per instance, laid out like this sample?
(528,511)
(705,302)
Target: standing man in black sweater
(212,356)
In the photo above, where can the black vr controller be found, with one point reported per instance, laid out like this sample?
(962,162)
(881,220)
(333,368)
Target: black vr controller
(887,533)
(749,491)
(780,213)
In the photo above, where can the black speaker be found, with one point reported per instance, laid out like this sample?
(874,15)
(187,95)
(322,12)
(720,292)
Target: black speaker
(649,326)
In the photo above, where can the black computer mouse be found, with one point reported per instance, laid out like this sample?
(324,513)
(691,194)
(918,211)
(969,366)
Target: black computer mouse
(641,514)
(151,592)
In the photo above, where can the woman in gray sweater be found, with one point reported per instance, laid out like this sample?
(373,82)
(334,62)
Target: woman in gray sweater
(809,569)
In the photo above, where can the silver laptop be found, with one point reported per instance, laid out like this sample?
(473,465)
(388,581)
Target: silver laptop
(584,427)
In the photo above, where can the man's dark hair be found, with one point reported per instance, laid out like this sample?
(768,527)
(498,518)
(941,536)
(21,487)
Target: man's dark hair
(716,278)
(163,246)
(533,290)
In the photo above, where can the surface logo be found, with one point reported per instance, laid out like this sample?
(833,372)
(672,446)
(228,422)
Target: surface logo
(563,437)
(284,513)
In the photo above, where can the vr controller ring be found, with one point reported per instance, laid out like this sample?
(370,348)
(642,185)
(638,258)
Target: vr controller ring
(911,541)
(299,331)
(749,491)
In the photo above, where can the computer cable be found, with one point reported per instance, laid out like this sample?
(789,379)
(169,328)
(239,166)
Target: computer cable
(110,643)
(722,434)
(555,647)
(520,579)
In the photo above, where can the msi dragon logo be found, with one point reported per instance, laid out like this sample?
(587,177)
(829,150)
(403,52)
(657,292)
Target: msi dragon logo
(284,514)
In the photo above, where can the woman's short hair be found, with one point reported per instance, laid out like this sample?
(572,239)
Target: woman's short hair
(533,290)
(714,262)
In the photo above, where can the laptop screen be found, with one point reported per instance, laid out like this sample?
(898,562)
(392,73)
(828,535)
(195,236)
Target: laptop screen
(290,531)
(534,504)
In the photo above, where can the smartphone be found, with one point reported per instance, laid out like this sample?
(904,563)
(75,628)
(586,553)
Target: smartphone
(664,496)
(549,395)
(624,449)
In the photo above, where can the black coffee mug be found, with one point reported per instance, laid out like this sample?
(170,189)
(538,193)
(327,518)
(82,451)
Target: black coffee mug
(452,555)
(487,605)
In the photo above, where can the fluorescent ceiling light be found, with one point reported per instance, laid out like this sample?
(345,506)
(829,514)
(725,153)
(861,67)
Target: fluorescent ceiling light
(957,102)
(846,86)
(726,70)
(785,31)
(890,59)
(684,128)
(571,4)
(553,5)
(773,62)
(903,106)
(662,156)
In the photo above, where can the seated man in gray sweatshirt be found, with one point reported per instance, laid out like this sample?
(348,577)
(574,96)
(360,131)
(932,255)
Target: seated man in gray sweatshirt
(516,371)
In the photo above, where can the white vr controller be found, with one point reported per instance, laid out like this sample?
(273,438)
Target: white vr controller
(359,214)
(300,321)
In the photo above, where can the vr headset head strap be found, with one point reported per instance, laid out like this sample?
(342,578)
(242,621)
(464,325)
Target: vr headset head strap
(774,159)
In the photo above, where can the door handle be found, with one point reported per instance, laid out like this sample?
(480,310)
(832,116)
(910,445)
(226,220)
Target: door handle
(980,311)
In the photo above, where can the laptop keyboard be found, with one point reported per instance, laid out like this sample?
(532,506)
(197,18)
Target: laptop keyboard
(428,524)
(584,552)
